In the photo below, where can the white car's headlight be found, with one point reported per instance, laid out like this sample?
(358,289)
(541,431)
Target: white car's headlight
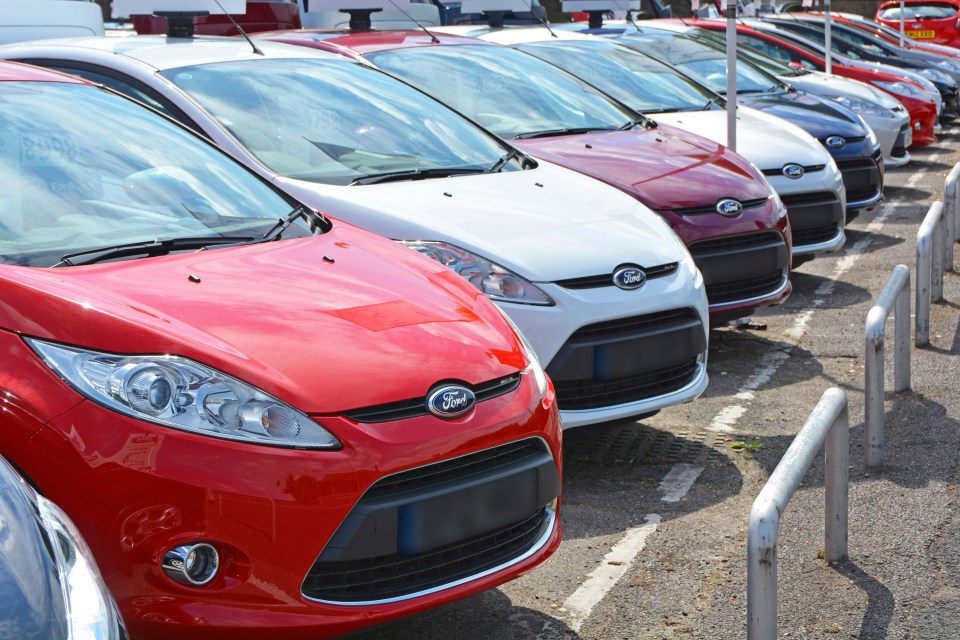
(864,107)
(183,394)
(499,283)
(905,89)
(935,75)
(91,612)
(534,368)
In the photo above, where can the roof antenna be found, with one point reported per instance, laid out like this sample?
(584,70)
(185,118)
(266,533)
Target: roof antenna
(629,19)
(240,29)
(434,39)
(542,19)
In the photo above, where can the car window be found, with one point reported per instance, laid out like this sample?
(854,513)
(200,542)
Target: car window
(509,92)
(629,76)
(776,51)
(933,11)
(83,168)
(334,121)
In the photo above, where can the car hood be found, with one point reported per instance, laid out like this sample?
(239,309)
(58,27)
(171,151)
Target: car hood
(833,86)
(755,130)
(546,224)
(816,116)
(665,168)
(314,321)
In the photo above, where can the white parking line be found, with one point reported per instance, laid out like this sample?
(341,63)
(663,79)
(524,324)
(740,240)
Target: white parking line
(678,481)
(726,419)
(604,577)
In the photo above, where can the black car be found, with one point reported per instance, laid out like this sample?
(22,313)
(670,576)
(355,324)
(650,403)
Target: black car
(50,587)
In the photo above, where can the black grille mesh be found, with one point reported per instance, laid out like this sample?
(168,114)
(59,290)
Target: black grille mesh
(743,289)
(814,235)
(591,394)
(736,242)
(633,324)
(606,279)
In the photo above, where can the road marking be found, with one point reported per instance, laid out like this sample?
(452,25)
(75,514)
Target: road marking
(678,481)
(604,577)
(727,418)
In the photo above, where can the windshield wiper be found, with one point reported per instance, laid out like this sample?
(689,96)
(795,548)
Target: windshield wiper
(504,159)
(415,174)
(160,246)
(640,120)
(314,220)
(546,133)
(712,101)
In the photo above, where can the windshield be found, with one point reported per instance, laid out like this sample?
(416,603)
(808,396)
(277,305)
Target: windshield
(83,169)
(932,11)
(701,62)
(334,121)
(632,78)
(509,92)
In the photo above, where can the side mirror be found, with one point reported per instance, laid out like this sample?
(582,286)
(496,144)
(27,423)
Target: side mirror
(796,65)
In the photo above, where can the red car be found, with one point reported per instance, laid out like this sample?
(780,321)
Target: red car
(265,423)
(924,20)
(923,110)
(743,253)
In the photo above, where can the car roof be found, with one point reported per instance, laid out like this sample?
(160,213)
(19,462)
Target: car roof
(163,53)
(520,35)
(16,72)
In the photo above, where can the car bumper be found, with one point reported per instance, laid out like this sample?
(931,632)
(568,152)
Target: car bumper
(894,136)
(816,206)
(271,512)
(616,354)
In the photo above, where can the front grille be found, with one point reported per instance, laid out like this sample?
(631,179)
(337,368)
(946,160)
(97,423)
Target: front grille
(635,324)
(415,407)
(899,146)
(458,469)
(813,168)
(803,199)
(814,235)
(712,208)
(394,576)
(855,195)
(723,292)
(591,394)
(735,242)
(606,279)
(857,164)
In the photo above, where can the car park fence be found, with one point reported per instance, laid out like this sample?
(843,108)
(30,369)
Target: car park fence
(827,427)
(931,253)
(895,297)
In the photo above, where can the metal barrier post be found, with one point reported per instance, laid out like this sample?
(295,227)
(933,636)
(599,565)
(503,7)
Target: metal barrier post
(896,297)
(827,427)
(929,269)
(950,195)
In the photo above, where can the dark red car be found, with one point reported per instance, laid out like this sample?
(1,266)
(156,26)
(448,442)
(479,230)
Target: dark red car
(267,424)
(924,20)
(743,252)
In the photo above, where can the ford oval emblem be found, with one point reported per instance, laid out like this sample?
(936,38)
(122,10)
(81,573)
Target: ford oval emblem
(629,277)
(450,401)
(794,171)
(836,142)
(730,208)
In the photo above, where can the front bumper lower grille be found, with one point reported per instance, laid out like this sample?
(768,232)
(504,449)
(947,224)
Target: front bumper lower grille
(813,216)
(863,179)
(743,267)
(628,360)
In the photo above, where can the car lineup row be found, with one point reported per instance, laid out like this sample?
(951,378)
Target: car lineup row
(294,324)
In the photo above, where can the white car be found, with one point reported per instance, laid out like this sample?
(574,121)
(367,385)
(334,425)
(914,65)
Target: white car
(814,193)
(362,146)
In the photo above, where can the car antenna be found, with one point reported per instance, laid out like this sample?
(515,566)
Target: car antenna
(256,50)
(629,19)
(543,20)
(434,39)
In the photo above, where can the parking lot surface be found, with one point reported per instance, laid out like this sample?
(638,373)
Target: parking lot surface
(655,513)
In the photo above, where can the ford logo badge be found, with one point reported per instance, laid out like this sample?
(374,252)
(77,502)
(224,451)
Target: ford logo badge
(836,142)
(629,277)
(729,207)
(794,171)
(450,401)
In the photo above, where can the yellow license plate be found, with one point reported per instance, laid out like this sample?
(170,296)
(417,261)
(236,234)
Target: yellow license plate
(921,34)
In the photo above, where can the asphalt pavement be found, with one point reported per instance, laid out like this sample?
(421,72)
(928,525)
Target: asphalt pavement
(655,513)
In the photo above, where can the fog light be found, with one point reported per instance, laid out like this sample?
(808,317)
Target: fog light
(917,125)
(194,564)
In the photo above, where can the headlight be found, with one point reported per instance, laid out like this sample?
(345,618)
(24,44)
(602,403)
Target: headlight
(91,612)
(534,367)
(947,65)
(905,89)
(499,283)
(935,75)
(863,107)
(183,394)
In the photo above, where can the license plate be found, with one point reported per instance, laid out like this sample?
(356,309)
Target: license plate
(927,33)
